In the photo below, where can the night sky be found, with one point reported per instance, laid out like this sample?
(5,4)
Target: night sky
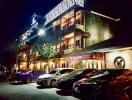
(15,15)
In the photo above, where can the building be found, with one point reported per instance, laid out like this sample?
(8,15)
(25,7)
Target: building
(77,29)
(86,38)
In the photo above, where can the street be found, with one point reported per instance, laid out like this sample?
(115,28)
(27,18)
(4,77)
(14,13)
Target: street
(30,92)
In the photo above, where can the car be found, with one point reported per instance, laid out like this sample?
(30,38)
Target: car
(99,86)
(121,86)
(25,76)
(66,83)
(51,78)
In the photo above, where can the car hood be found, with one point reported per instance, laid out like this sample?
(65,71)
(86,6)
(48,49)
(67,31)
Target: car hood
(46,76)
(85,81)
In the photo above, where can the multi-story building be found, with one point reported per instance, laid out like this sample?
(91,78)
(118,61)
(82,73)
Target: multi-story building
(78,29)
(85,38)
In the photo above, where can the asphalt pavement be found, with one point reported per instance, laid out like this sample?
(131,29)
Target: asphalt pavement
(31,92)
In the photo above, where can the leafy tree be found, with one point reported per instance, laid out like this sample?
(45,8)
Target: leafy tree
(47,51)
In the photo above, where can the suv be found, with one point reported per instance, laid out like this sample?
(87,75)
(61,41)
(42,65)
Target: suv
(51,78)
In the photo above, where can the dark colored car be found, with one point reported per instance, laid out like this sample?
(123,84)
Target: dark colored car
(99,86)
(26,76)
(67,82)
(121,86)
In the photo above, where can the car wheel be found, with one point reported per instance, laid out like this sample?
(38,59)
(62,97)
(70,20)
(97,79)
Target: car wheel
(53,83)
(29,80)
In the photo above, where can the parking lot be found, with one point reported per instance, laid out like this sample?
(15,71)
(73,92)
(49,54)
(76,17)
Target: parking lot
(31,92)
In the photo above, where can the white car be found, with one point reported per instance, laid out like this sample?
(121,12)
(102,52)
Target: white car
(51,78)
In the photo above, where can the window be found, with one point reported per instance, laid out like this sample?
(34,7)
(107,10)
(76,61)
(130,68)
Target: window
(56,24)
(66,71)
(79,17)
(77,43)
(67,20)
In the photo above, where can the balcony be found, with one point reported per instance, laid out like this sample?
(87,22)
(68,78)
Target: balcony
(69,49)
(68,30)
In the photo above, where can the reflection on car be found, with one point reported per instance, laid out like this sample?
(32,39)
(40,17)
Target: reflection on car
(51,78)
(67,82)
(102,85)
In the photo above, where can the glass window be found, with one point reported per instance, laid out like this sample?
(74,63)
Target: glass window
(67,20)
(77,43)
(53,72)
(79,17)
(66,71)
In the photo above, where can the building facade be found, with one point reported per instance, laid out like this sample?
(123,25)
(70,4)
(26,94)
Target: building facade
(82,37)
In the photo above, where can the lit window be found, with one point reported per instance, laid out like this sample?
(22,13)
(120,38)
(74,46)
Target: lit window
(79,17)
(67,20)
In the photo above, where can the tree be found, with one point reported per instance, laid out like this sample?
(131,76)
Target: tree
(46,50)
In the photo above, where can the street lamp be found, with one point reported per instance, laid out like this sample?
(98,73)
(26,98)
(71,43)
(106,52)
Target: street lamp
(41,32)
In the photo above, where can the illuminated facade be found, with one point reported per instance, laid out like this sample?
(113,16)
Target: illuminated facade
(80,33)
(78,29)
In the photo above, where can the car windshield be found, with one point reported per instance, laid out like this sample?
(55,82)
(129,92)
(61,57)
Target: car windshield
(75,73)
(107,74)
(53,71)
(100,75)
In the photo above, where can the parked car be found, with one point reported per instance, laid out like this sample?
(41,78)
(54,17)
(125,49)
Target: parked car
(100,85)
(121,86)
(25,76)
(67,82)
(51,78)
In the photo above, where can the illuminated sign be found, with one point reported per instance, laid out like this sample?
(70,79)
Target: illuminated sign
(94,55)
(61,8)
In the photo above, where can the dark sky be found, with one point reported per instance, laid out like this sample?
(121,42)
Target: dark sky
(15,14)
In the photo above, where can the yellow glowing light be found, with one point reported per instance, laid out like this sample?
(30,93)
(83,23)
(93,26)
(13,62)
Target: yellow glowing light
(38,65)
(24,55)
(31,66)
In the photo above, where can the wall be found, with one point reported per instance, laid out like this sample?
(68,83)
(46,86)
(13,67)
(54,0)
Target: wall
(98,27)
(125,54)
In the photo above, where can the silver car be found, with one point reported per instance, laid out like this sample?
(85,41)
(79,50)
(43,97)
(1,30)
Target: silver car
(51,78)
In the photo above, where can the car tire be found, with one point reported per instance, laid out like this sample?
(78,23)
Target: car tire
(53,83)
(28,80)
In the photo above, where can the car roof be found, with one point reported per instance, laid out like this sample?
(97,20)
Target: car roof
(62,68)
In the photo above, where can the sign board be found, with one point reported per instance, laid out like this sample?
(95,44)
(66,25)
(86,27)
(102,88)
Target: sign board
(119,62)
(95,56)
(61,8)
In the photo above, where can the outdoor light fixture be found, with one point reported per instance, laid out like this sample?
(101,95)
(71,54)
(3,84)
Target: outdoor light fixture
(115,19)
(41,32)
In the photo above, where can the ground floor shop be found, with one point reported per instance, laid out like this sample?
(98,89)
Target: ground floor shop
(116,58)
